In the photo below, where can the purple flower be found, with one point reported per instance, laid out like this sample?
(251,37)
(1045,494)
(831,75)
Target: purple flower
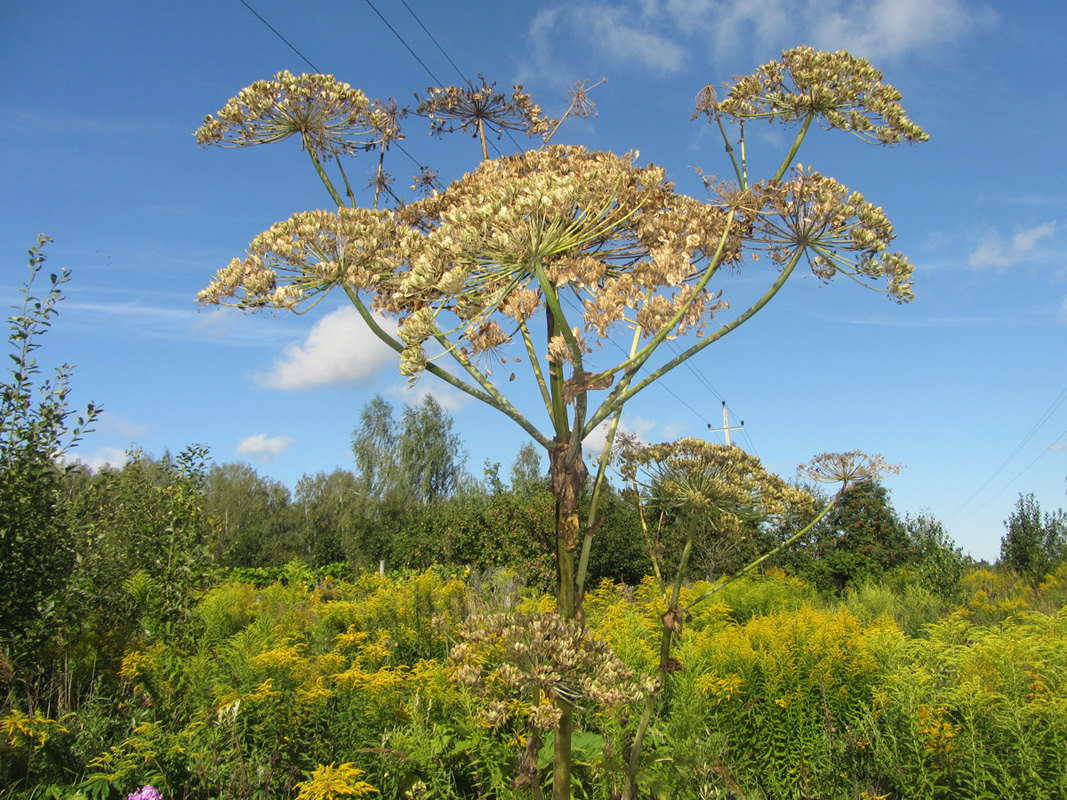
(147,792)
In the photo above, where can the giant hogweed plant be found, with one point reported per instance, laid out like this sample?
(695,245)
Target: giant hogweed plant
(721,492)
(544,255)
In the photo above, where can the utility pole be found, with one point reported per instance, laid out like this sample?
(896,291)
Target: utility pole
(726,424)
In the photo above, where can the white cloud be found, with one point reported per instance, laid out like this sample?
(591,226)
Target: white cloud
(264,447)
(993,252)
(101,457)
(881,29)
(626,39)
(665,36)
(617,35)
(449,399)
(109,422)
(339,349)
(644,429)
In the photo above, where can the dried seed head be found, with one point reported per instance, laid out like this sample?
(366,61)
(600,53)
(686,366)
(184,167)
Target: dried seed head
(330,117)
(842,91)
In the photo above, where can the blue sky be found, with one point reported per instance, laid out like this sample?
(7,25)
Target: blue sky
(965,386)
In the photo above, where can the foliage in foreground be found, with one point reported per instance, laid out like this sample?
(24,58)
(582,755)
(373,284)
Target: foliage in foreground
(308,686)
(36,428)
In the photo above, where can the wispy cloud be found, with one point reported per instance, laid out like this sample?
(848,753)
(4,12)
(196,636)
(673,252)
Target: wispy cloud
(180,321)
(886,29)
(665,36)
(994,252)
(264,448)
(338,349)
(121,426)
(448,398)
(63,122)
(646,430)
(101,457)
(135,310)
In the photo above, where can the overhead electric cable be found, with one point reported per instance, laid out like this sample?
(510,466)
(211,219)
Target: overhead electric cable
(429,72)
(290,44)
(1037,425)
(703,379)
(432,39)
(699,415)
(292,47)
(414,55)
(1022,472)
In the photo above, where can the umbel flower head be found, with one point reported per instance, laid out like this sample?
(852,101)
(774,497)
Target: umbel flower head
(721,482)
(842,91)
(307,255)
(836,230)
(848,468)
(330,117)
(549,660)
(562,219)
(478,108)
(614,234)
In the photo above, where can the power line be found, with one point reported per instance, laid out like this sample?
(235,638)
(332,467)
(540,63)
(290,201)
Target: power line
(1018,448)
(660,383)
(711,388)
(290,44)
(292,47)
(432,39)
(437,80)
(1022,472)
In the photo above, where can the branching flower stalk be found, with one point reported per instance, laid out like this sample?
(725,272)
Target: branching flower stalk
(490,263)
(725,489)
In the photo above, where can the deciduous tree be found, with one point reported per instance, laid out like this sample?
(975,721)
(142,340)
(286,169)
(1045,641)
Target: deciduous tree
(256,526)
(37,427)
(861,539)
(528,471)
(1033,545)
(419,458)
(333,514)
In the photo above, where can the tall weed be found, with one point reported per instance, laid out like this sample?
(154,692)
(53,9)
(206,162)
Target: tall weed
(975,711)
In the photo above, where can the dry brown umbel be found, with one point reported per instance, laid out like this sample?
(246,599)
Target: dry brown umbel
(842,91)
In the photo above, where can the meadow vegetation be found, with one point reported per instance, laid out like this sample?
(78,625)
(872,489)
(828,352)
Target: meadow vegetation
(689,627)
(197,641)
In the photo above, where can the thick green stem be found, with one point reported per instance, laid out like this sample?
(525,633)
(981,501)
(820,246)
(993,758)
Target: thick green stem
(725,581)
(787,162)
(535,365)
(594,503)
(624,396)
(561,755)
(560,325)
(671,620)
(322,173)
(730,152)
(567,607)
(444,375)
(485,144)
